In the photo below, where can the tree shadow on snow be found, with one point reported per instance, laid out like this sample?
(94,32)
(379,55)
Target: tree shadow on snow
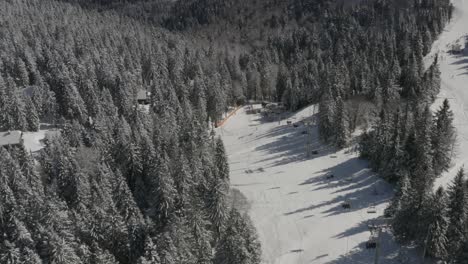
(291,145)
(389,253)
(359,187)
(463,61)
(363,198)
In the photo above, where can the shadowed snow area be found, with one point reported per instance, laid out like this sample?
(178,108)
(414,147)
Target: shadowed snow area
(454,85)
(295,204)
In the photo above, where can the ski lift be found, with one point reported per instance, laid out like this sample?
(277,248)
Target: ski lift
(371,210)
(346,205)
(373,240)
(371,244)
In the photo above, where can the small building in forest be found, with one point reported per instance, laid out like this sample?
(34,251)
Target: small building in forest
(11,138)
(143,97)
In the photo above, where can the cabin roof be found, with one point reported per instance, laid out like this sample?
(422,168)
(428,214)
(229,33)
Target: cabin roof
(143,95)
(10,138)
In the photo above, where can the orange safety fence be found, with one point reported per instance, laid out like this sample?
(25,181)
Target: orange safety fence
(221,122)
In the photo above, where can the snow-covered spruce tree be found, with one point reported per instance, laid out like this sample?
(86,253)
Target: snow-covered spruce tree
(237,244)
(217,205)
(374,143)
(327,113)
(183,184)
(12,115)
(341,124)
(202,236)
(443,138)
(431,81)
(394,168)
(457,213)
(221,162)
(402,192)
(32,117)
(437,242)
(252,241)
(422,175)
(404,212)
(462,257)
(411,223)
(150,256)
(164,190)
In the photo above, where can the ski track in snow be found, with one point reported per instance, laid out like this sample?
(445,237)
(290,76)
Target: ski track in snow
(296,210)
(454,83)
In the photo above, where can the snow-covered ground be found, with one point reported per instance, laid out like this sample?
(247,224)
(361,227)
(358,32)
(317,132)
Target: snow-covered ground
(454,86)
(33,141)
(296,209)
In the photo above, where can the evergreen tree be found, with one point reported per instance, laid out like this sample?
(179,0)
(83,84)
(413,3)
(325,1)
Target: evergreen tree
(327,112)
(398,200)
(462,257)
(341,124)
(443,138)
(457,213)
(32,117)
(150,255)
(437,241)
(234,246)
(221,162)
(423,175)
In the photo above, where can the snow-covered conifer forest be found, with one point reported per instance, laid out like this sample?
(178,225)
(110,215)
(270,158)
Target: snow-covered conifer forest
(233,131)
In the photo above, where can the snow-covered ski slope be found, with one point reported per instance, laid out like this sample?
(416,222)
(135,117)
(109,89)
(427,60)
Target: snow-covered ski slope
(296,209)
(454,85)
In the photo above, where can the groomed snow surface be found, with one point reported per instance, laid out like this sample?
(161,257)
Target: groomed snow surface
(295,207)
(454,85)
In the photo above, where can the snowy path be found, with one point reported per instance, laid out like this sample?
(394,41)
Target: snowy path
(296,210)
(454,86)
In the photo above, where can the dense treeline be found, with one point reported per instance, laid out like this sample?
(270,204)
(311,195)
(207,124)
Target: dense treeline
(329,52)
(411,146)
(121,184)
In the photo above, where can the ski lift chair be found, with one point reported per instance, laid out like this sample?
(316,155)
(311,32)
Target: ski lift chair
(371,210)
(346,205)
(371,244)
